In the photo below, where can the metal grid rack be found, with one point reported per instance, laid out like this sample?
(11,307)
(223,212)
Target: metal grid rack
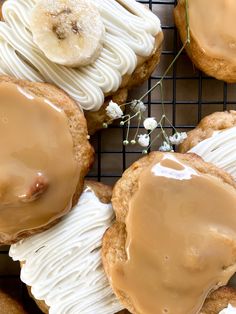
(188,94)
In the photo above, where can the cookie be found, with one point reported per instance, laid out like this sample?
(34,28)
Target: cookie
(212,29)
(214,140)
(131,51)
(9,305)
(63,266)
(44,157)
(170,246)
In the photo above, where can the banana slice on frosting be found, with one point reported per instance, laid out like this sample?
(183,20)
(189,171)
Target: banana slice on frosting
(69,32)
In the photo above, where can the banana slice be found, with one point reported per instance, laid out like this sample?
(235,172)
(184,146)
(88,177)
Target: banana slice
(69,32)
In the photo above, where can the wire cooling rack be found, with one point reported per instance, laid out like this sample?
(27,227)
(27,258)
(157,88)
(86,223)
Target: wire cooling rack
(188,94)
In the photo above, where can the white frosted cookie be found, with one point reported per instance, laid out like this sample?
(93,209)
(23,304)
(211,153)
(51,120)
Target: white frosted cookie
(63,265)
(130,46)
(214,139)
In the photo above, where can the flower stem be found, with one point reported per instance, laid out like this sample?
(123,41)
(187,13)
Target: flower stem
(128,129)
(154,140)
(139,122)
(176,57)
(187,22)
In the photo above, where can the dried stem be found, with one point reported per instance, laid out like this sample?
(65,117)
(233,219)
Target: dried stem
(126,119)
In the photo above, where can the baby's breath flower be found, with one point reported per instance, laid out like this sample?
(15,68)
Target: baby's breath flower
(144,140)
(113,110)
(138,106)
(178,138)
(125,142)
(165,147)
(150,124)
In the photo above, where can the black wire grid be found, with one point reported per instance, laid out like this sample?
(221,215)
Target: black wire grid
(188,94)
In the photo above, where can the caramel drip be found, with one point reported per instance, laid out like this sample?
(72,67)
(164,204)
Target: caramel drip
(212,24)
(38,172)
(181,239)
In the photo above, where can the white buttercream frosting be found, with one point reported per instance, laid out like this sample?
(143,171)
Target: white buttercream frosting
(130,32)
(229,310)
(220,150)
(63,265)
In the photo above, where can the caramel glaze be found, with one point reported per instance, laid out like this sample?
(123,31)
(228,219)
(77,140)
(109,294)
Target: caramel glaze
(212,24)
(38,172)
(181,239)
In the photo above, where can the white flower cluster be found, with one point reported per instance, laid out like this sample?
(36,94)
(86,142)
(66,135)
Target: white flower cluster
(144,140)
(178,138)
(138,106)
(150,124)
(175,139)
(113,111)
(165,147)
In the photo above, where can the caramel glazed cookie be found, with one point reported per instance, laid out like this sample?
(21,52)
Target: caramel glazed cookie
(213,35)
(41,129)
(122,48)
(214,139)
(174,236)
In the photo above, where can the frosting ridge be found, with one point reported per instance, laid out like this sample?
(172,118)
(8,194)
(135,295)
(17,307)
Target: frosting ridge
(219,149)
